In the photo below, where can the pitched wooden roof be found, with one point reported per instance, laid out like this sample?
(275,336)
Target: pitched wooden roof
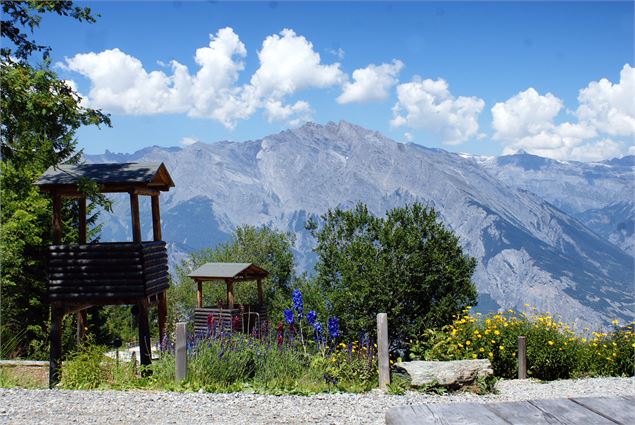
(110,177)
(234,271)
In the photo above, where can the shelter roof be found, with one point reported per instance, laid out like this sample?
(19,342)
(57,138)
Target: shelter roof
(112,177)
(234,271)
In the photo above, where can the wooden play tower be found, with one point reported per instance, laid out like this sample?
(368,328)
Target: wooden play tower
(85,275)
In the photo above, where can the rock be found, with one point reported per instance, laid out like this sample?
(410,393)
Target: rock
(451,374)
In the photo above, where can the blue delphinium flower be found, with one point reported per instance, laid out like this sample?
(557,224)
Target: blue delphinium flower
(334,327)
(298,304)
(311,317)
(288,316)
(318,330)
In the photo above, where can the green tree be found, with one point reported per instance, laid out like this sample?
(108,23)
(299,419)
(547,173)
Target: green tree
(407,264)
(39,115)
(263,246)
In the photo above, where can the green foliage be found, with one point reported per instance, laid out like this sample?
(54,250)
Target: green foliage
(553,350)
(263,246)
(86,369)
(39,116)
(25,16)
(407,264)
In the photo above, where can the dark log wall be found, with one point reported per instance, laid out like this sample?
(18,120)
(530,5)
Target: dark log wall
(107,272)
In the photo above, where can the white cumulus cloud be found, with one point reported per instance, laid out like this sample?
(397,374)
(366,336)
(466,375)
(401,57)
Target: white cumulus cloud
(528,112)
(610,107)
(527,121)
(428,104)
(187,141)
(371,83)
(119,83)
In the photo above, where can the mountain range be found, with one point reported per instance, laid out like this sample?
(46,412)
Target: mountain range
(557,235)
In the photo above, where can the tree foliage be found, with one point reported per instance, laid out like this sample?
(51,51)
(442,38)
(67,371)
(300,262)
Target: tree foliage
(39,115)
(407,264)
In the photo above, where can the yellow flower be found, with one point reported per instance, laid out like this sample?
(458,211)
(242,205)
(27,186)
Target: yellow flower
(491,354)
(501,347)
(474,356)
(550,342)
(468,342)
(615,322)
(583,340)
(497,332)
(526,305)
(483,349)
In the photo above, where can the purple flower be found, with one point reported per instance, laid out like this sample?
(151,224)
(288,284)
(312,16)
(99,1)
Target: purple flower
(311,317)
(298,304)
(288,316)
(334,327)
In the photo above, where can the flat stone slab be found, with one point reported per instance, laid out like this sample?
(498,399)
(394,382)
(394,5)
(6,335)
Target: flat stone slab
(452,374)
(574,411)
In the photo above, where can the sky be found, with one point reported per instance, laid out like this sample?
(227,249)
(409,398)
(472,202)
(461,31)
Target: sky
(485,78)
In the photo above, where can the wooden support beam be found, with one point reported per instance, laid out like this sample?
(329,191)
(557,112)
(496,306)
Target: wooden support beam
(261,294)
(163,316)
(145,356)
(199,294)
(82,323)
(55,354)
(57,219)
(230,293)
(156,218)
(136,222)
(82,221)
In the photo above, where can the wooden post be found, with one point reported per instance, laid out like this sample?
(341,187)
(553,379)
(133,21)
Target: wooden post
(82,221)
(382,351)
(145,356)
(156,218)
(163,315)
(57,219)
(199,294)
(522,357)
(261,295)
(181,351)
(134,212)
(81,314)
(230,293)
(57,313)
(82,322)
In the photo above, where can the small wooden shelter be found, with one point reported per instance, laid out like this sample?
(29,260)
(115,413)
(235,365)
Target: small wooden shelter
(84,275)
(228,273)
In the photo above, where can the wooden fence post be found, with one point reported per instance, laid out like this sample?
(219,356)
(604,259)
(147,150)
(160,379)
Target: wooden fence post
(181,351)
(522,357)
(382,351)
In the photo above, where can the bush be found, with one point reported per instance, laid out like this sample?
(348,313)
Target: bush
(553,350)
(87,368)
(407,264)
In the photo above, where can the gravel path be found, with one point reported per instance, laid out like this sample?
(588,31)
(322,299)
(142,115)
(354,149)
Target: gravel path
(19,406)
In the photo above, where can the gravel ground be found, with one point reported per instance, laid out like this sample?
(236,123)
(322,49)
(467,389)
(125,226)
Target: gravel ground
(19,406)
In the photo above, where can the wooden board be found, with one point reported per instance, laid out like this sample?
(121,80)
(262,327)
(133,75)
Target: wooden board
(577,411)
(621,409)
(567,411)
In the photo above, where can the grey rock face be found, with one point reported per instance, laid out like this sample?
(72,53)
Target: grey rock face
(528,251)
(451,374)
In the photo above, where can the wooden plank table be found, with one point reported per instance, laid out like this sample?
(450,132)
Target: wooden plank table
(578,411)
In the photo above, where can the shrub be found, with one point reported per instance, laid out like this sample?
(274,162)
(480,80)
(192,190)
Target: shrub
(87,368)
(553,350)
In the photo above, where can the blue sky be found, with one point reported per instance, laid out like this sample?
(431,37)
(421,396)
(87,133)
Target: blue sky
(430,73)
